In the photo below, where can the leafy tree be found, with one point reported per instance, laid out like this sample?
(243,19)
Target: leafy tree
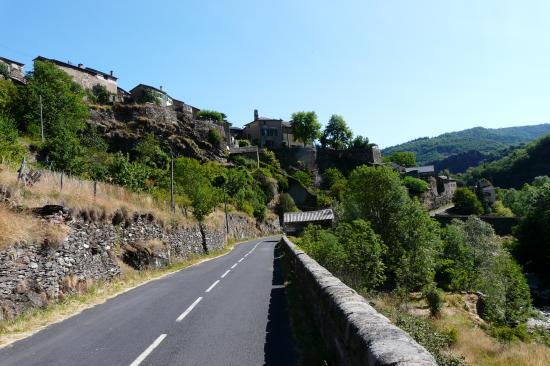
(337,134)
(149,152)
(335,182)
(324,247)
(404,158)
(379,196)
(534,232)
(415,186)
(304,178)
(148,96)
(101,94)
(4,71)
(128,174)
(466,202)
(8,97)
(10,148)
(286,204)
(359,143)
(305,127)
(212,115)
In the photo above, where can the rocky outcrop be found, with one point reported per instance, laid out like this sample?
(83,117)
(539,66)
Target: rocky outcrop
(125,125)
(36,274)
(353,331)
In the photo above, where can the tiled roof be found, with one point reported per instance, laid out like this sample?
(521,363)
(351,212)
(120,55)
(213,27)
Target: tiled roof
(308,216)
(74,67)
(11,61)
(421,169)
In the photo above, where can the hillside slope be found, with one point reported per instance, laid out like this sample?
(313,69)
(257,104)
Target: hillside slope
(520,166)
(483,140)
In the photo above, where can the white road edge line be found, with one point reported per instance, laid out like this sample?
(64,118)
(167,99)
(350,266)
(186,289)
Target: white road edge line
(186,312)
(225,274)
(148,351)
(235,265)
(212,286)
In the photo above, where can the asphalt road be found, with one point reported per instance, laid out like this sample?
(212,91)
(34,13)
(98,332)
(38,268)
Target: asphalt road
(227,311)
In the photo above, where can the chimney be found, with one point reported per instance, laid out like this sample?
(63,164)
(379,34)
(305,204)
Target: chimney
(256,117)
(111,72)
(161,87)
(80,66)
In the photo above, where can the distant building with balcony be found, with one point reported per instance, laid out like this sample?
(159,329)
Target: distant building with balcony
(15,70)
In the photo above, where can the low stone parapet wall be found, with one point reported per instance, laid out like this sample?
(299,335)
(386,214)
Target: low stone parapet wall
(354,332)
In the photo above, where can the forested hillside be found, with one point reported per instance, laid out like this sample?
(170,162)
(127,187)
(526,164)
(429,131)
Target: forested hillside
(487,142)
(520,166)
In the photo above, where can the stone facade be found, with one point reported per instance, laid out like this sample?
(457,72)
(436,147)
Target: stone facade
(36,274)
(15,70)
(85,76)
(269,132)
(353,331)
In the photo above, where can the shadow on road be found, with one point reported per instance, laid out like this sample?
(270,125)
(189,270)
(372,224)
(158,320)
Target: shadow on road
(279,345)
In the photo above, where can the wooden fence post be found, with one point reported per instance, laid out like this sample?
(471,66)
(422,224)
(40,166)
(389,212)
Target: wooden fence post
(61,181)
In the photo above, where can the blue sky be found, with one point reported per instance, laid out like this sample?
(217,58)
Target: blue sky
(395,69)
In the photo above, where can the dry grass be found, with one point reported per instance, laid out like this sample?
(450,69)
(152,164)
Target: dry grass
(24,229)
(78,195)
(473,343)
(478,348)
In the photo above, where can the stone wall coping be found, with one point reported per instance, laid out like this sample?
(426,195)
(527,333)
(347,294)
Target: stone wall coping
(362,335)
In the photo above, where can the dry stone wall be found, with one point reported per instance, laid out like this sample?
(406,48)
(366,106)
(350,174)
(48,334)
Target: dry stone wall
(36,274)
(353,331)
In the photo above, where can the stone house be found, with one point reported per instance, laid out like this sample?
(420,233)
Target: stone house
(422,172)
(86,77)
(162,98)
(269,132)
(487,190)
(15,70)
(181,106)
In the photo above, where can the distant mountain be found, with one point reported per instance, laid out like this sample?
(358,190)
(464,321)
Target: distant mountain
(459,150)
(519,166)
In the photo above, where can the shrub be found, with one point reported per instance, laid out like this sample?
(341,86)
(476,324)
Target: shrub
(4,71)
(101,94)
(466,202)
(404,158)
(303,177)
(211,115)
(243,143)
(10,148)
(435,300)
(415,186)
(286,204)
(215,137)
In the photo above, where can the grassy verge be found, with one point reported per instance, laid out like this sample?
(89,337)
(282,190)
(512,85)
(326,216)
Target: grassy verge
(310,347)
(456,334)
(36,319)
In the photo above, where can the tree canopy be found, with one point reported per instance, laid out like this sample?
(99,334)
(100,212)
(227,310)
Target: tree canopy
(336,134)
(305,127)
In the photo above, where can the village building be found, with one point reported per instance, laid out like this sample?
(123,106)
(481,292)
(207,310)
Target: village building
(270,132)
(139,93)
(86,77)
(420,171)
(15,70)
(487,191)
(295,222)
(446,185)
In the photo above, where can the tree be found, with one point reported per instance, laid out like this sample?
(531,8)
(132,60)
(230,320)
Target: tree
(286,204)
(4,71)
(337,134)
(379,196)
(101,94)
(149,152)
(305,127)
(466,202)
(211,115)
(359,143)
(404,158)
(415,186)
(10,148)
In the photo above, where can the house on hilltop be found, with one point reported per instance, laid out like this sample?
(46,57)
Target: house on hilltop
(86,76)
(142,93)
(269,132)
(15,70)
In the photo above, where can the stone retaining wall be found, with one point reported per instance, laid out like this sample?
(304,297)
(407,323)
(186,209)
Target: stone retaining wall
(354,332)
(36,274)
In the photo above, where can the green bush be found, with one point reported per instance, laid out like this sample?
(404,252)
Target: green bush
(286,204)
(466,202)
(435,300)
(206,114)
(101,94)
(10,148)
(304,178)
(415,186)
(404,158)
(215,137)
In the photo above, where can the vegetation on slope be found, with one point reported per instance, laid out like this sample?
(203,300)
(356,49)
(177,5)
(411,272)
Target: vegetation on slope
(483,140)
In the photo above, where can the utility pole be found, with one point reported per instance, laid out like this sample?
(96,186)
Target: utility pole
(172,203)
(41,120)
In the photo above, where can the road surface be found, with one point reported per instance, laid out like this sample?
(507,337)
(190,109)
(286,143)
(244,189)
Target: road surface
(227,311)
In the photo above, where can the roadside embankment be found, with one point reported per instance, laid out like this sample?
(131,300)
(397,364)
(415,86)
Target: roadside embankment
(353,331)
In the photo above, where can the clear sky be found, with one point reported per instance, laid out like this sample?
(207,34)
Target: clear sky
(395,69)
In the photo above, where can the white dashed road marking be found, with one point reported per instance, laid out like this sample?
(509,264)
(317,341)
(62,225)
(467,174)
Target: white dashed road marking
(225,274)
(212,286)
(235,265)
(148,351)
(186,312)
